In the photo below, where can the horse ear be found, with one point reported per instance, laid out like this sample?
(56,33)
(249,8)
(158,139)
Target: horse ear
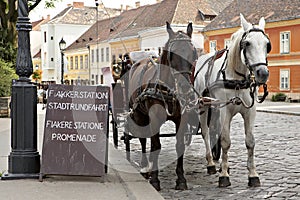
(189,30)
(169,30)
(262,23)
(246,25)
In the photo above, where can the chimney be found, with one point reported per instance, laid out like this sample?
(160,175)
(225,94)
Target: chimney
(122,8)
(78,4)
(48,17)
(137,4)
(101,6)
(127,7)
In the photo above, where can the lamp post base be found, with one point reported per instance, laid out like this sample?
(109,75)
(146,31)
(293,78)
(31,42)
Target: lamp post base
(10,176)
(24,162)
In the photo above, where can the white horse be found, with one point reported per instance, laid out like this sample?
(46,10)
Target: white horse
(233,80)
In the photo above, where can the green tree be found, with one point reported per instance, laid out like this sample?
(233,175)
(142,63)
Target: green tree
(8,20)
(6,76)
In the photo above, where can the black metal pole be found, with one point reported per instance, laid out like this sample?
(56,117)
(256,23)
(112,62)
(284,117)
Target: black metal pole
(24,159)
(62,67)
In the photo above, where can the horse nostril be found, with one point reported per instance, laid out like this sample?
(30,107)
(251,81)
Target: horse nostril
(258,72)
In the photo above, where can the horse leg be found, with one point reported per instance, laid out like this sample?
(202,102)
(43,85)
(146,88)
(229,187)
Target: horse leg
(145,169)
(180,148)
(153,158)
(250,144)
(225,144)
(211,168)
(157,117)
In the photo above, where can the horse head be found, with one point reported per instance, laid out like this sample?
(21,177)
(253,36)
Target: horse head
(254,47)
(180,56)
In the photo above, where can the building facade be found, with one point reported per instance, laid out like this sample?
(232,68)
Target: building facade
(283,29)
(70,24)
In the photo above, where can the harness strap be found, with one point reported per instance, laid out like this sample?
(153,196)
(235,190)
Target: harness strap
(266,92)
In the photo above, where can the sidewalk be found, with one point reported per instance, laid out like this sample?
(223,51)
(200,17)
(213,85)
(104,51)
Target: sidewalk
(122,181)
(279,107)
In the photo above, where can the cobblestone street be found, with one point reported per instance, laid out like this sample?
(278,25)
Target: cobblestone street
(276,156)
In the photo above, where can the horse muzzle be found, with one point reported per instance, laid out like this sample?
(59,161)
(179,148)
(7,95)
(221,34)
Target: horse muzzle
(261,74)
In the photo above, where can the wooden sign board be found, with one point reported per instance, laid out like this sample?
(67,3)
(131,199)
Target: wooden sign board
(76,130)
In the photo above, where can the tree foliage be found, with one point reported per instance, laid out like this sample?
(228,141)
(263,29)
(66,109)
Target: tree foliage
(8,20)
(6,76)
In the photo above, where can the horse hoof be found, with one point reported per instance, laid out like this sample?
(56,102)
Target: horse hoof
(254,182)
(155,184)
(211,170)
(181,186)
(145,175)
(224,181)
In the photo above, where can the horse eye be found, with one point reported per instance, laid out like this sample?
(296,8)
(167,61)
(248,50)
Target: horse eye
(247,44)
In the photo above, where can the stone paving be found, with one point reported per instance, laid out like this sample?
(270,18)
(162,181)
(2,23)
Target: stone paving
(276,156)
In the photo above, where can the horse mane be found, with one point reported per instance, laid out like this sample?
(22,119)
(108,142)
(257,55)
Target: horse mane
(234,49)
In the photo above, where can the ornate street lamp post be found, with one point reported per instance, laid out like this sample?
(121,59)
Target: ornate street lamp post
(24,159)
(62,46)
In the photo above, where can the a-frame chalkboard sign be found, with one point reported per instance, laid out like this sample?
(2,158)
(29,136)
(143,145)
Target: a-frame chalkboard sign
(75,131)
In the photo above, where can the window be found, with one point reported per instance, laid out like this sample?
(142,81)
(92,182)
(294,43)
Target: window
(97,54)
(86,62)
(81,62)
(97,80)
(212,46)
(107,54)
(113,58)
(93,54)
(71,63)
(226,43)
(76,62)
(101,79)
(285,42)
(102,54)
(45,58)
(45,36)
(284,79)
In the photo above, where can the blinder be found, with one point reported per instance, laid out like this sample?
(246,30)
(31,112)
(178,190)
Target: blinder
(269,47)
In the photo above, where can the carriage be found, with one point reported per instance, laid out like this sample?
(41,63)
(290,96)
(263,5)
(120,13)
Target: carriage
(120,108)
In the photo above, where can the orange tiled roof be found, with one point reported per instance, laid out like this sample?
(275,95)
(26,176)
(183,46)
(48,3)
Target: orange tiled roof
(36,25)
(130,22)
(253,10)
